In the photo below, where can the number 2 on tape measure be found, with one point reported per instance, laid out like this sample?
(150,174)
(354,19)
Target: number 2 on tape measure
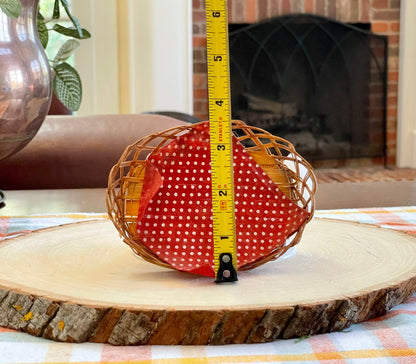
(222,179)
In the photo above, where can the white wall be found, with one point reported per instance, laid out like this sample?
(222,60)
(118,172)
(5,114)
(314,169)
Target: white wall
(406,125)
(159,51)
(96,58)
(164,51)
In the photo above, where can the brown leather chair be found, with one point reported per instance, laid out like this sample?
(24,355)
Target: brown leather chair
(76,151)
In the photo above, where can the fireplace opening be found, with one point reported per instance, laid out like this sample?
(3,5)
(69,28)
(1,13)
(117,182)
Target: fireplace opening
(317,82)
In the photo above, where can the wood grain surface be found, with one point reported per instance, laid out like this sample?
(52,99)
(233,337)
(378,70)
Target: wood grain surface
(79,282)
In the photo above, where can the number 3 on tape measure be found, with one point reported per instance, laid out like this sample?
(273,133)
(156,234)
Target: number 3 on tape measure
(222,180)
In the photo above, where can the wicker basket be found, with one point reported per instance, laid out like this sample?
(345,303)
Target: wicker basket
(277,157)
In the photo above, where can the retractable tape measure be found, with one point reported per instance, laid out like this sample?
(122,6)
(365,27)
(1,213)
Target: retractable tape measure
(222,180)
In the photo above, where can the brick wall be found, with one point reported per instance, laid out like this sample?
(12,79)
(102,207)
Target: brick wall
(383,15)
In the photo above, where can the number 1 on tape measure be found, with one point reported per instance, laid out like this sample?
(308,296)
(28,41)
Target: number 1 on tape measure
(222,179)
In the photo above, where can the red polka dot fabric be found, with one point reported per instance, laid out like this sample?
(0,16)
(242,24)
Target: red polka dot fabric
(175,214)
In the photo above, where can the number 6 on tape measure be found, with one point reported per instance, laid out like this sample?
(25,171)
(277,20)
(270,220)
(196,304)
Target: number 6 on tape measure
(222,180)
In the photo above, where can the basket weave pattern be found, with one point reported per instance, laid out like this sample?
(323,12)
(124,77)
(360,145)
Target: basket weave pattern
(277,157)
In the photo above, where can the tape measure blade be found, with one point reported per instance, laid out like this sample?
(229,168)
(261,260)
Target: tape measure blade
(222,179)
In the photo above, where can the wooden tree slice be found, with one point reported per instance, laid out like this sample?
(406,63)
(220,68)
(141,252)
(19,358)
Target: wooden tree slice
(79,283)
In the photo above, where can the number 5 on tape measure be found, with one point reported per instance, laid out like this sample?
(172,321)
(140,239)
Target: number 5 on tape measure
(222,179)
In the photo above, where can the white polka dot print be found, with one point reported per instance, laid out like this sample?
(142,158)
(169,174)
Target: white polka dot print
(265,218)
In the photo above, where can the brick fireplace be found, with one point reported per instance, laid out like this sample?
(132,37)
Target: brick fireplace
(382,15)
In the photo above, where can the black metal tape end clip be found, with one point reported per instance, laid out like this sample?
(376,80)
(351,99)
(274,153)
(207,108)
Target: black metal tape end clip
(226,272)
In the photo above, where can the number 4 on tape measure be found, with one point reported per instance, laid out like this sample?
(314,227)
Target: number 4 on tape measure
(222,179)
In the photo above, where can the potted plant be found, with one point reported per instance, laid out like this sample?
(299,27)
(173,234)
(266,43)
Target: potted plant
(66,81)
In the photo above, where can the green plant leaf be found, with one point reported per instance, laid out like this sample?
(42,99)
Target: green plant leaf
(71,32)
(304,337)
(65,51)
(11,8)
(67,86)
(56,12)
(74,20)
(43,31)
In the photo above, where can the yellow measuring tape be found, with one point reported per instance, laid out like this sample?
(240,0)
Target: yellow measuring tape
(222,180)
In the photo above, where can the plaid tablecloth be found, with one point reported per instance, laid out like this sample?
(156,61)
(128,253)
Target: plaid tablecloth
(388,339)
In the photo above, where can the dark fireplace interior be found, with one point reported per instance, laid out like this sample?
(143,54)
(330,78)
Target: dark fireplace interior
(314,81)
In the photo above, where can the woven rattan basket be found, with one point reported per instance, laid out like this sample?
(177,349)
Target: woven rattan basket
(276,156)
